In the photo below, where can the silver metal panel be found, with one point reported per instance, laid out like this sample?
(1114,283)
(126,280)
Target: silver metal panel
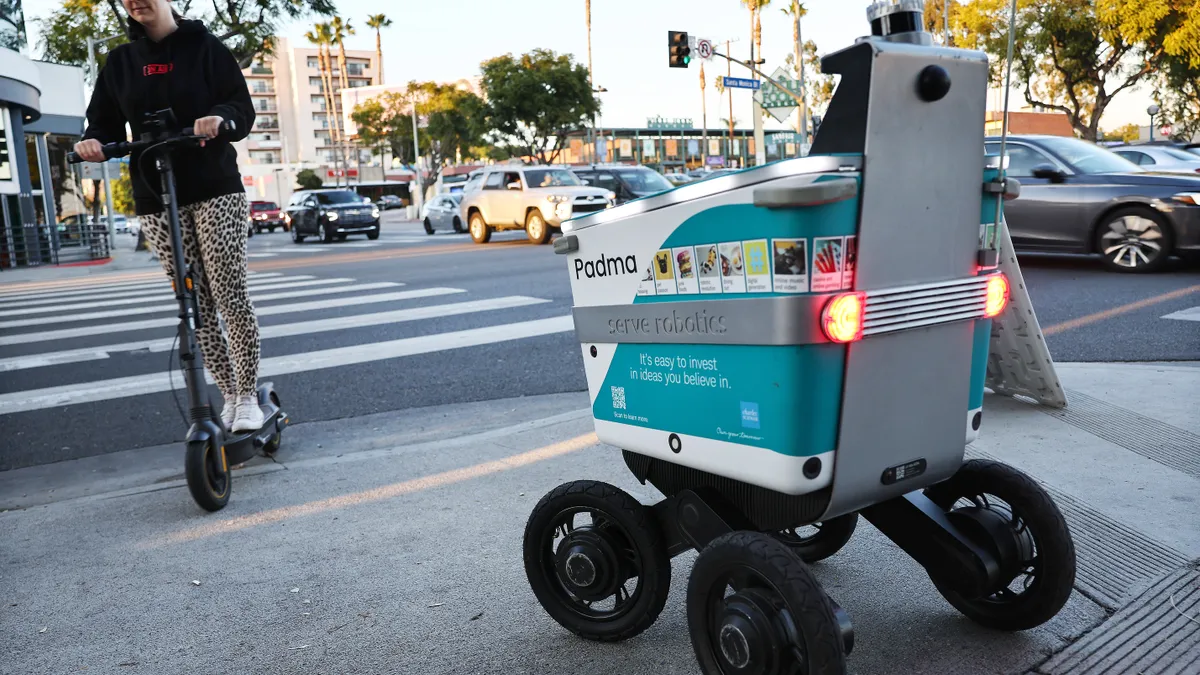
(757,321)
(894,413)
(906,392)
(712,186)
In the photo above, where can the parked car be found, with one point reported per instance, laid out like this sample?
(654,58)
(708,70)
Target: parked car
(1168,158)
(1077,197)
(331,214)
(388,202)
(265,216)
(534,198)
(678,178)
(626,182)
(441,213)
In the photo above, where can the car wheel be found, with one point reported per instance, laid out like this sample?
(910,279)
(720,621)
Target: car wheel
(458,228)
(536,228)
(428,226)
(326,233)
(481,232)
(296,236)
(1134,239)
(373,234)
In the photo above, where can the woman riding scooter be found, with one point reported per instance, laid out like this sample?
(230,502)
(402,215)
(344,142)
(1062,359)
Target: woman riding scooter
(174,63)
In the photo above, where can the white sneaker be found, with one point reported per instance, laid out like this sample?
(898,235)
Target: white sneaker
(229,412)
(249,415)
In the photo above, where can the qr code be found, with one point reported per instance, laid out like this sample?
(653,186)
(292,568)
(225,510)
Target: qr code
(618,394)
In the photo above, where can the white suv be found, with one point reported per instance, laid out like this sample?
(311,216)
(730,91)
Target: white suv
(533,198)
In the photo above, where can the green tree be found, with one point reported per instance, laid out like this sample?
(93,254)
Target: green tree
(12,14)
(1126,134)
(534,100)
(247,27)
(307,179)
(454,123)
(122,191)
(378,22)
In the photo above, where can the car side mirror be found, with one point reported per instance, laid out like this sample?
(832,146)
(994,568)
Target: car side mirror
(515,185)
(1050,173)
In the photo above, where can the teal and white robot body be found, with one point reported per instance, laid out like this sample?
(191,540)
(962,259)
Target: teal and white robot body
(815,326)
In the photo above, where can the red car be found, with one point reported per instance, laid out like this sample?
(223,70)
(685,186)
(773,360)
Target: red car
(266,216)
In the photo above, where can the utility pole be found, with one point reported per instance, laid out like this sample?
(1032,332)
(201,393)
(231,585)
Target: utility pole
(591,135)
(803,121)
(419,198)
(760,150)
(729,90)
(946,20)
(703,118)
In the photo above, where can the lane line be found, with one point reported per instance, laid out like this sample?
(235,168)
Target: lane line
(278,330)
(172,307)
(130,326)
(338,357)
(309,282)
(1096,317)
(160,280)
(162,288)
(1190,314)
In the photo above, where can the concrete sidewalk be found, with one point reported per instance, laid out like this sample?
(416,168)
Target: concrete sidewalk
(122,259)
(392,543)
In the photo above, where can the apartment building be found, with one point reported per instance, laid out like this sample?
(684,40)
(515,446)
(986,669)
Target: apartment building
(292,128)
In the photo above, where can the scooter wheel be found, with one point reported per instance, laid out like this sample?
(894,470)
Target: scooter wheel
(1005,510)
(818,541)
(596,561)
(208,476)
(754,607)
(272,446)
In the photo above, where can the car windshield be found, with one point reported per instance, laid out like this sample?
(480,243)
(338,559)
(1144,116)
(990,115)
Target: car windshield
(645,181)
(538,178)
(456,197)
(1179,154)
(1088,158)
(263,206)
(340,197)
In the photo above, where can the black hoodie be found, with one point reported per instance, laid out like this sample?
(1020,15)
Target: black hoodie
(192,73)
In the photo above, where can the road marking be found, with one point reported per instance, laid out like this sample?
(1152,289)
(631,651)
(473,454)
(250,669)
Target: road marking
(159,288)
(160,281)
(129,326)
(377,494)
(261,255)
(123,387)
(172,307)
(303,281)
(1117,311)
(279,330)
(1190,314)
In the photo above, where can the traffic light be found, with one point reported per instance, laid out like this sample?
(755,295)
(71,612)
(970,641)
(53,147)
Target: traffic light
(681,53)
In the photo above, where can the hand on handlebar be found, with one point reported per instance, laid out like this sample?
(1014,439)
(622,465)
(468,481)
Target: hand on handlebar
(90,150)
(208,127)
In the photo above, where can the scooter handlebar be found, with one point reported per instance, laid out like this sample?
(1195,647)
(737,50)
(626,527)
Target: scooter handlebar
(123,148)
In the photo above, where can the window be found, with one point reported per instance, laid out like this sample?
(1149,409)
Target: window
(1086,157)
(511,177)
(473,182)
(605,180)
(339,197)
(1021,159)
(1178,154)
(261,136)
(316,83)
(644,181)
(314,62)
(495,181)
(262,87)
(319,101)
(264,157)
(550,178)
(354,84)
(322,137)
(264,105)
(357,68)
(266,122)
(1136,157)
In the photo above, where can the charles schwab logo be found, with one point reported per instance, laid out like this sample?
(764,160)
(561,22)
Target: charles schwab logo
(605,266)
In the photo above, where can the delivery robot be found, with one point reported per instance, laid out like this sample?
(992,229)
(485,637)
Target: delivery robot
(795,344)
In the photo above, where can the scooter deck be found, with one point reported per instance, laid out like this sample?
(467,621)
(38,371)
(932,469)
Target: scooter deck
(242,446)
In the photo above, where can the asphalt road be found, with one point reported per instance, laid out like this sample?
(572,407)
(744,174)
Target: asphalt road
(405,324)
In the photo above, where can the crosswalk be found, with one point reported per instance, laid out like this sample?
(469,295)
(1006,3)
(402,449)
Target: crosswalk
(274,247)
(1189,314)
(87,326)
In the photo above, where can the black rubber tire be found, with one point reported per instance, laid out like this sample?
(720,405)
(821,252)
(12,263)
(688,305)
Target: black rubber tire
(790,580)
(1167,242)
(373,234)
(272,446)
(297,237)
(829,539)
(201,465)
(428,226)
(481,232)
(458,228)
(1049,591)
(636,520)
(326,234)
(532,217)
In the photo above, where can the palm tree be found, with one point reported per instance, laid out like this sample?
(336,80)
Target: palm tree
(755,7)
(795,12)
(322,36)
(339,30)
(378,22)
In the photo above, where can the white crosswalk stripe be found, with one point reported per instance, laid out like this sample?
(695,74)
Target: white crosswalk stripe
(1189,314)
(106,320)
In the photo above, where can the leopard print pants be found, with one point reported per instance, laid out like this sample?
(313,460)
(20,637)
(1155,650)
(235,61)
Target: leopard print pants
(221,223)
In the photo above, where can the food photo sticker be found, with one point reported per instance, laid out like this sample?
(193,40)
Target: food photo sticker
(709,268)
(827,264)
(646,285)
(664,273)
(791,265)
(685,263)
(758,266)
(733,279)
(850,253)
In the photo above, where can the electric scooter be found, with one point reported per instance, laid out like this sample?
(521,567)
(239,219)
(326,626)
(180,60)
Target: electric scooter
(211,448)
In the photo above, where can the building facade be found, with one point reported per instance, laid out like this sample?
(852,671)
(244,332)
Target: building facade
(292,130)
(41,196)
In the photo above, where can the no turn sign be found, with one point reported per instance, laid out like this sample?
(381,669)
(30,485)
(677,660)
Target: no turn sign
(1166,130)
(704,49)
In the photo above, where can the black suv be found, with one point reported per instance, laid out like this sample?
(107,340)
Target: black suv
(331,214)
(626,182)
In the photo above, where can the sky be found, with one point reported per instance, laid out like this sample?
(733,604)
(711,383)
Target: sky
(447,40)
